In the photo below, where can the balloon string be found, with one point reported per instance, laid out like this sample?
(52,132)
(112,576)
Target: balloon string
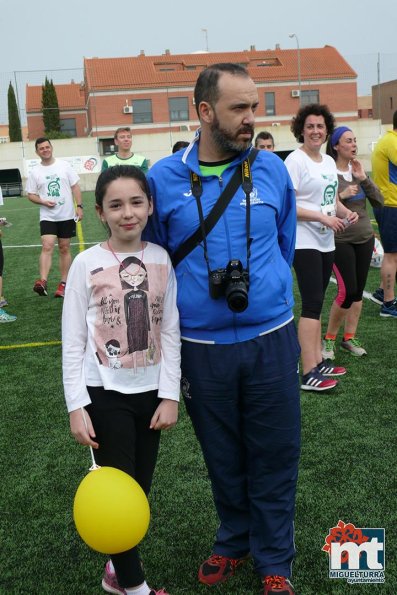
(94,465)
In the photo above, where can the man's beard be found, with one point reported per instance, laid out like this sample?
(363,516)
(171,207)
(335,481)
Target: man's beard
(228,142)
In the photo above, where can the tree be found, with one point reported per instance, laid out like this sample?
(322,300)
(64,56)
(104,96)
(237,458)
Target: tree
(49,103)
(14,122)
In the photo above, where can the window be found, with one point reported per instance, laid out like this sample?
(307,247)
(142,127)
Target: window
(68,126)
(270,104)
(142,111)
(312,96)
(178,108)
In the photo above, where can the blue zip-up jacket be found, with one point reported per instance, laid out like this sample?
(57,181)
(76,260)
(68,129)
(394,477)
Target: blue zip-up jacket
(273,225)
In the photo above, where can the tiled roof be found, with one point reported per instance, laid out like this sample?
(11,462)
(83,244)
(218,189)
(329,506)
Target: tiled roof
(178,70)
(70,96)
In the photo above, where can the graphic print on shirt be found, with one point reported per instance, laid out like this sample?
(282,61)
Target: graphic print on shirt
(129,302)
(54,188)
(113,349)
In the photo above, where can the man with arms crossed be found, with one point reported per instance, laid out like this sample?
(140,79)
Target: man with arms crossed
(239,349)
(124,155)
(53,184)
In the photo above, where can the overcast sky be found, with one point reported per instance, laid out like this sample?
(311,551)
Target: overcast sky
(44,36)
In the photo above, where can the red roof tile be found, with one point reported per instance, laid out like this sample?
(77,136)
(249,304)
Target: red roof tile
(168,69)
(70,96)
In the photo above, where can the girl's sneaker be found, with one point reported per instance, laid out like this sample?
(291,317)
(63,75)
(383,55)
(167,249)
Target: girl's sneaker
(3,301)
(4,317)
(326,368)
(354,347)
(328,350)
(315,381)
(109,582)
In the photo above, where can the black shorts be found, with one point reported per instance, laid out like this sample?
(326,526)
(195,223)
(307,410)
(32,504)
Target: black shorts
(61,229)
(386,219)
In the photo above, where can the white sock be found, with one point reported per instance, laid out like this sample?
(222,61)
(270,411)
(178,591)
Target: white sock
(142,590)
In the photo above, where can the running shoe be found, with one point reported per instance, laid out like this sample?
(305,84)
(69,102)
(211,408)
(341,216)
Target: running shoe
(326,368)
(40,287)
(109,582)
(3,302)
(315,381)
(218,569)
(60,292)
(4,317)
(277,585)
(354,346)
(377,296)
(389,311)
(328,349)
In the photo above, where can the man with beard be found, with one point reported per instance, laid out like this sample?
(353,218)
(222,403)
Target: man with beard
(239,350)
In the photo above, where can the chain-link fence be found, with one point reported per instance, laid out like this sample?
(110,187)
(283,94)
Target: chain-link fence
(20,79)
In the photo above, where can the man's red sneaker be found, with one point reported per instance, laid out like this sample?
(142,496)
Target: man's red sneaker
(60,292)
(277,585)
(218,569)
(40,287)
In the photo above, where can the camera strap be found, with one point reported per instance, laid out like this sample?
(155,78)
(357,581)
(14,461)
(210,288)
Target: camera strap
(242,176)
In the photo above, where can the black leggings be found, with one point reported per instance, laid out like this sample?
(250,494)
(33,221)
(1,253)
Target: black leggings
(351,268)
(313,270)
(121,424)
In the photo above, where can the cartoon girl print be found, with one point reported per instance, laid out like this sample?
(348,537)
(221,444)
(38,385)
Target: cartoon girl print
(112,349)
(133,273)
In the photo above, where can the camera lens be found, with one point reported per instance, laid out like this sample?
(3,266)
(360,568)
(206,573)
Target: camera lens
(237,296)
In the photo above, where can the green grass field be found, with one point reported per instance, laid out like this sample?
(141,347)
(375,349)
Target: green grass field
(347,467)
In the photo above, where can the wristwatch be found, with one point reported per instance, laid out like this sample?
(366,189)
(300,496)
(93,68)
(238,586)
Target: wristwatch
(79,206)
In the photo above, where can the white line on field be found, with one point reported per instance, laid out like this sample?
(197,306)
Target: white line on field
(39,245)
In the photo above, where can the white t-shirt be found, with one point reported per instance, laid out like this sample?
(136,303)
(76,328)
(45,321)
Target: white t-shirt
(119,330)
(316,187)
(54,182)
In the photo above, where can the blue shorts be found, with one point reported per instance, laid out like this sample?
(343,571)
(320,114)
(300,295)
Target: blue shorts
(386,219)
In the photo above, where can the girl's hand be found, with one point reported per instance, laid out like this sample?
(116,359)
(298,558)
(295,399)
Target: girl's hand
(334,223)
(84,435)
(358,170)
(165,416)
(351,216)
(351,190)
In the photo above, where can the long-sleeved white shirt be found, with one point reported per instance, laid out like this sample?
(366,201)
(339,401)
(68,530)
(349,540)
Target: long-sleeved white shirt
(120,325)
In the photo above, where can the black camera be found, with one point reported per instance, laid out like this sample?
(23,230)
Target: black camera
(232,283)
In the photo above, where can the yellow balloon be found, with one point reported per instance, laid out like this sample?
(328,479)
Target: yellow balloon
(110,511)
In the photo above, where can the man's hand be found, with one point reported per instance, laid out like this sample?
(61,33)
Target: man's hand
(48,203)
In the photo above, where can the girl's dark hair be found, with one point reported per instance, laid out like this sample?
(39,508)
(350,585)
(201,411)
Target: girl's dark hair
(133,260)
(115,172)
(312,109)
(330,149)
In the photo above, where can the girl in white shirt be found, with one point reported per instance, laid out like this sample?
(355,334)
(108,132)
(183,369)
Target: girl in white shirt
(121,348)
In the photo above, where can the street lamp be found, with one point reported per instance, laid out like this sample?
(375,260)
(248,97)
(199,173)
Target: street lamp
(205,31)
(299,64)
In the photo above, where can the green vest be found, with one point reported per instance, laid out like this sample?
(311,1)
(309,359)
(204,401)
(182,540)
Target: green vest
(137,160)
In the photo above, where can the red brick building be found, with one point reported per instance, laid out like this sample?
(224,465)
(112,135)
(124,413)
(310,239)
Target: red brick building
(155,93)
(72,110)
